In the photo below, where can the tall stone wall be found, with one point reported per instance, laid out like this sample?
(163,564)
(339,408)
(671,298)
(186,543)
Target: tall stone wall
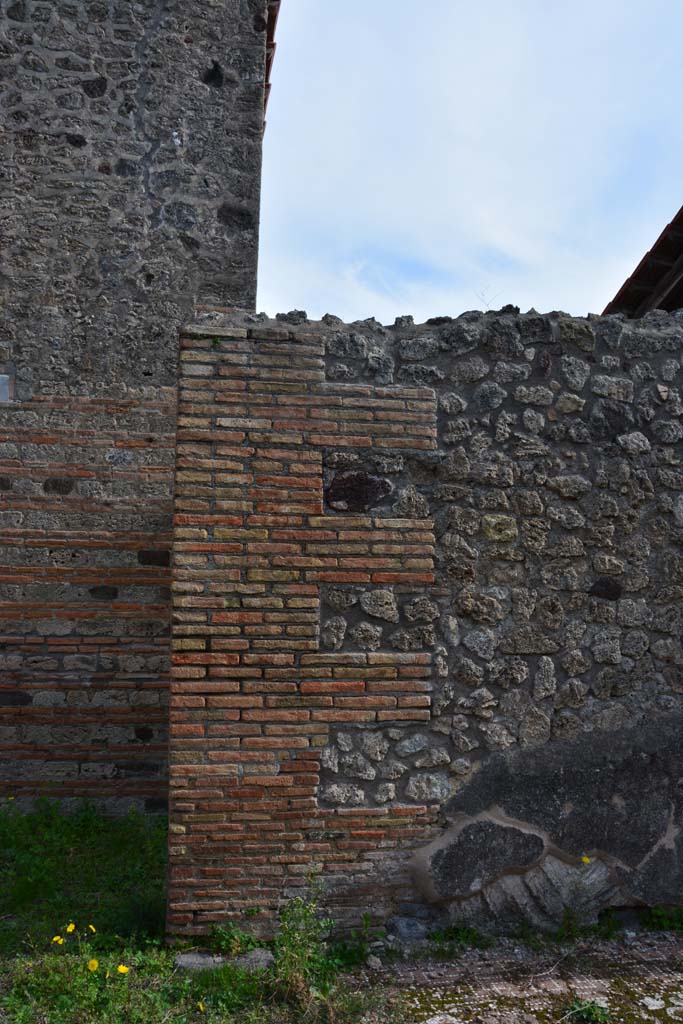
(427,617)
(131,150)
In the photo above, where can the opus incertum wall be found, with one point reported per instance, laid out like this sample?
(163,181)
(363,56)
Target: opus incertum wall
(427,617)
(131,151)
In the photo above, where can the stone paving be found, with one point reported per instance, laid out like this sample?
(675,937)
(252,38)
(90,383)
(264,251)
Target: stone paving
(636,979)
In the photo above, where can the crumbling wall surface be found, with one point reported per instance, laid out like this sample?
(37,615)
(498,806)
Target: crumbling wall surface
(131,147)
(427,627)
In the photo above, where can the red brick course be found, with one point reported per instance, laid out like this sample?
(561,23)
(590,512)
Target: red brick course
(85,577)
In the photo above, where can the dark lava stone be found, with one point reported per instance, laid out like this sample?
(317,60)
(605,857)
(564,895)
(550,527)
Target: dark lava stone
(356,491)
(606,587)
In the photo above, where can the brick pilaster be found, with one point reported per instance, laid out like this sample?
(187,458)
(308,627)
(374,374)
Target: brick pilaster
(253,699)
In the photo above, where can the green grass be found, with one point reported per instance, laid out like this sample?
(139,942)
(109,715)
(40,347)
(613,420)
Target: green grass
(56,867)
(56,986)
(82,896)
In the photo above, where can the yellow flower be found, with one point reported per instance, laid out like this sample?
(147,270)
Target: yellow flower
(122,969)
(93,965)
(585,859)
(59,940)
(71,927)
(92,928)
(200,1004)
(10,798)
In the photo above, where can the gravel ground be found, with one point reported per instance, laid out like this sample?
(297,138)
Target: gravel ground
(634,979)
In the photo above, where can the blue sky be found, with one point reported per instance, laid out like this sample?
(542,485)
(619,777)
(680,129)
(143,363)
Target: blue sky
(433,156)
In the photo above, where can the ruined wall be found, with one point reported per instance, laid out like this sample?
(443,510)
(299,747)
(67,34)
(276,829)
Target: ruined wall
(131,150)
(427,626)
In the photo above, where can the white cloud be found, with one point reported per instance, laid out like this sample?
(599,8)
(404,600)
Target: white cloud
(434,156)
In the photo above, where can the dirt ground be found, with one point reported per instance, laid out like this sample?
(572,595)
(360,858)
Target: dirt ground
(636,978)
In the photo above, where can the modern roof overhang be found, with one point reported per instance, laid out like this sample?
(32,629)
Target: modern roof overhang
(657,281)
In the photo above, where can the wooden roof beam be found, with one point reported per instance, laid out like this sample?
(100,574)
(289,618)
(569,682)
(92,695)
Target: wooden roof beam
(664,288)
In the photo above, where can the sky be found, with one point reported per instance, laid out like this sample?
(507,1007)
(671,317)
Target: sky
(427,157)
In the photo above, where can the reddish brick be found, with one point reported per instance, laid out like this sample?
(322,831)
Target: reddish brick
(253,548)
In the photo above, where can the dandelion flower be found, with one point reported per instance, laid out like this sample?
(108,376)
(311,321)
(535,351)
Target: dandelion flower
(200,1004)
(59,940)
(71,927)
(122,969)
(92,928)
(585,860)
(93,965)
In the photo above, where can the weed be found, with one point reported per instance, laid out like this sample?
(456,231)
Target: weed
(586,1011)
(570,930)
(532,939)
(253,911)
(571,927)
(231,940)
(663,919)
(303,970)
(353,952)
(451,941)
(215,343)
(608,926)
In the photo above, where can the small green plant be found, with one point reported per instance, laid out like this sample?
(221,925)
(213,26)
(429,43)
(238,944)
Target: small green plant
(570,930)
(215,343)
(232,941)
(352,952)
(451,941)
(253,911)
(586,1011)
(663,919)
(532,939)
(571,927)
(303,970)
(608,926)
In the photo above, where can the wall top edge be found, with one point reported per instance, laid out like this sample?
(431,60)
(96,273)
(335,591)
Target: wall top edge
(296,325)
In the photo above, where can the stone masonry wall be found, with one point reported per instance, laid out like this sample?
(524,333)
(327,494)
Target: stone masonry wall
(427,617)
(131,150)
